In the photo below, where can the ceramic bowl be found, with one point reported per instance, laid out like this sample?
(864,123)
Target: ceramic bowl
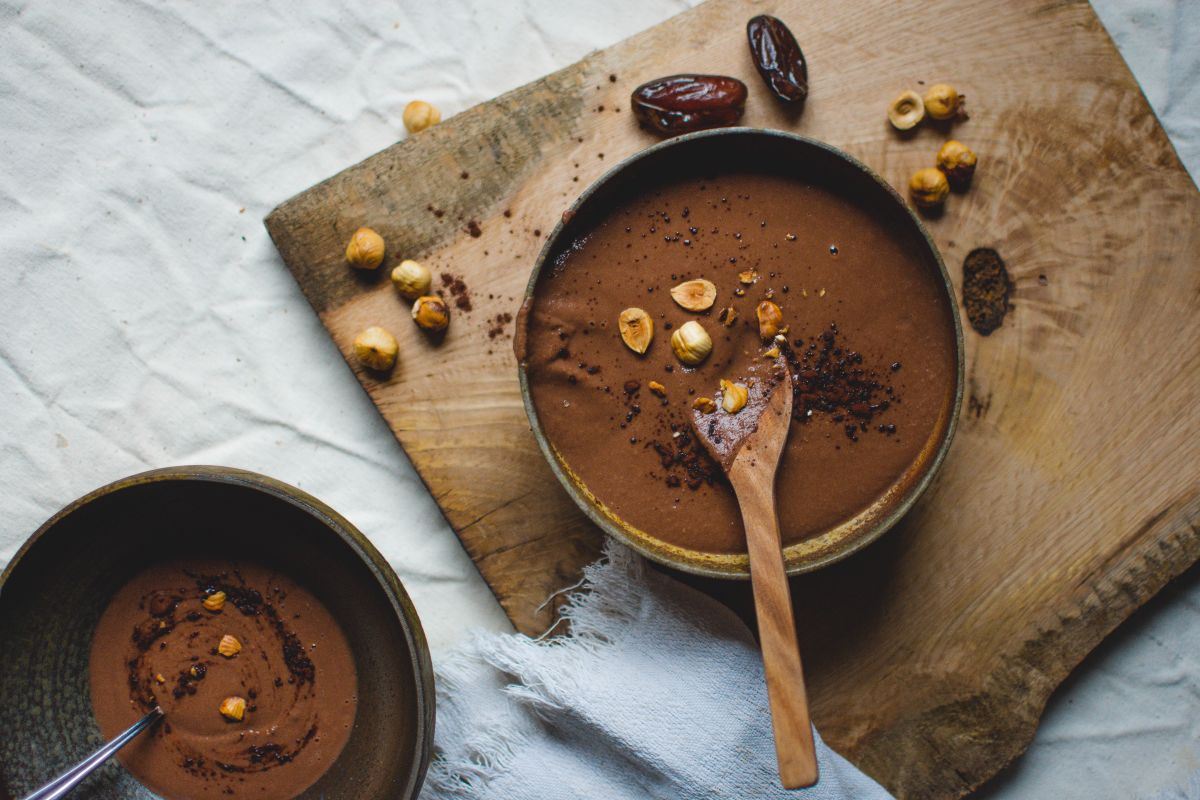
(807,159)
(57,585)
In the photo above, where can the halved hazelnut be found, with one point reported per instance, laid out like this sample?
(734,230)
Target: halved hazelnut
(695,295)
(233,708)
(637,329)
(906,111)
(733,396)
(770,319)
(215,601)
(229,646)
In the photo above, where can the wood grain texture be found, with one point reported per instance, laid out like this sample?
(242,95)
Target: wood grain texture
(752,474)
(1072,492)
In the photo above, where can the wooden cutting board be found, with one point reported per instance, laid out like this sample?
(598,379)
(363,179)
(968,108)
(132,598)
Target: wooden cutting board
(1072,492)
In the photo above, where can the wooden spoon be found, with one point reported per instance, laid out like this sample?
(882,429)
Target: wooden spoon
(748,445)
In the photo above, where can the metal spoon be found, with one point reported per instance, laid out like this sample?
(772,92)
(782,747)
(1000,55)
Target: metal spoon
(70,779)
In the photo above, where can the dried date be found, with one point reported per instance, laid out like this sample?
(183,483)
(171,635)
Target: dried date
(682,103)
(778,58)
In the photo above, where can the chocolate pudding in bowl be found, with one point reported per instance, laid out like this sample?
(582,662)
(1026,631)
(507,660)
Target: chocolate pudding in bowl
(255,676)
(782,228)
(283,648)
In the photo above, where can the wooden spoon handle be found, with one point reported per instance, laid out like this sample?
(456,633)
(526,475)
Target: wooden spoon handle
(777,630)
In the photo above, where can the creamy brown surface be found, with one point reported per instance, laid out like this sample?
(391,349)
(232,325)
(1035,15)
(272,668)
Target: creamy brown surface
(295,671)
(870,325)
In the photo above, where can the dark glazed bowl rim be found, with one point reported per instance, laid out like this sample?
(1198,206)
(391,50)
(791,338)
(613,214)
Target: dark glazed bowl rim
(799,557)
(406,613)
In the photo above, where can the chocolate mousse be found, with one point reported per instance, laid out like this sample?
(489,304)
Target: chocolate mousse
(871,343)
(256,679)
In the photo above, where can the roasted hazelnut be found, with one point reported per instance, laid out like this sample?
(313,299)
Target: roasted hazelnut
(695,295)
(637,329)
(411,279)
(748,276)
(929,187)
(704,405)
(770,319)
(728,316)
(159,678)
(430,313)
(215,601)
(941,101)
(691,343)
(419,115)
(733,396)
(365,250)
(233,708)
(229,646)
(376,348)
(957,161)
(657,388)
(906,111)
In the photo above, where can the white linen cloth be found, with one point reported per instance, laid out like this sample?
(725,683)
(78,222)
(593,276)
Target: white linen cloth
(656,694)
(146,320)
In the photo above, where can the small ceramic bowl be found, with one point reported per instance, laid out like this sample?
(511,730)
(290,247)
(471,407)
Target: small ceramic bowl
(703,153)
(58,584)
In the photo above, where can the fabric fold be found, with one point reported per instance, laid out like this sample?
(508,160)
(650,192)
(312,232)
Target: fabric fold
(657,691)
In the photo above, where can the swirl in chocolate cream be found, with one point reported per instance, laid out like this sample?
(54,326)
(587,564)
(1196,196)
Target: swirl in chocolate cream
(294,671)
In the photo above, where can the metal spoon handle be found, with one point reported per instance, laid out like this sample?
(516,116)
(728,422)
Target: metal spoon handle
(70,779)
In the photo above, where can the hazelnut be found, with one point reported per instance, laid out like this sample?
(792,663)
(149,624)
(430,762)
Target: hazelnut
(637,329)
(691,343)
(229,646)
(419,115)
(696,295)
(657,388)
(376,348)
(941,101)
(772,352)
(957,161)
(929,187)
(430,313)
(411,279)
(748,276)
(215,601)
(733,396)
(906,111)
(770,319)
(233,708)
(727,317)
(158,678)
(365,250)
(704,405)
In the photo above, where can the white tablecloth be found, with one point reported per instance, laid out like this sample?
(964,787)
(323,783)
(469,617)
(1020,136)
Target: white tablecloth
(146,320)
